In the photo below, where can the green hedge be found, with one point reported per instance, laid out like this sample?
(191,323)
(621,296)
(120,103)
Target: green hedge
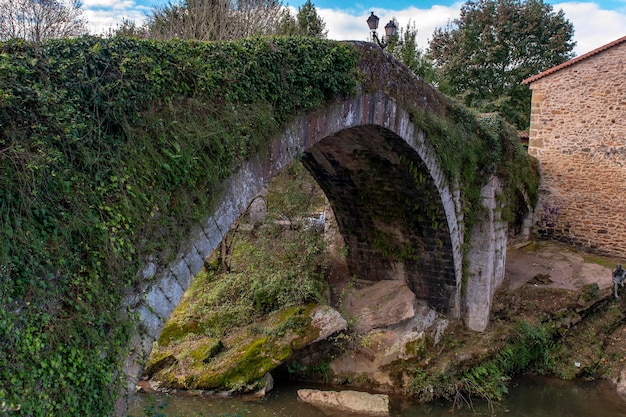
(110,149)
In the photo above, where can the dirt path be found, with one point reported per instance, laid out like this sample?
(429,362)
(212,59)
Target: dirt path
(555,265)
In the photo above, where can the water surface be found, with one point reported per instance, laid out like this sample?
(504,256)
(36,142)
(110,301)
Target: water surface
(528,397)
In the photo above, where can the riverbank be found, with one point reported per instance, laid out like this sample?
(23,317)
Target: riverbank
(553,315)
(548,280)
(529,396)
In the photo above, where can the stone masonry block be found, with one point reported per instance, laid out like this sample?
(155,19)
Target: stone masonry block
(225,215)
(158,303)
(194,260)
(150,323)
(202,243)
(170,286)
(213,233)
(150,270)
(140,348)
(181,272)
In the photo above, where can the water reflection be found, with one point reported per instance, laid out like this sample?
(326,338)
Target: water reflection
(528,397)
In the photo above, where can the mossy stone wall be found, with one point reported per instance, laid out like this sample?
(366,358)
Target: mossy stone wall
(124,162)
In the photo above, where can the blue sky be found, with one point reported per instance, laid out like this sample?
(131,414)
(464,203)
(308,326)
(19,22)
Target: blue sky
(595,22)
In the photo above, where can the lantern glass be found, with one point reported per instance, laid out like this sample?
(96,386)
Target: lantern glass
(372,21)
(390,29)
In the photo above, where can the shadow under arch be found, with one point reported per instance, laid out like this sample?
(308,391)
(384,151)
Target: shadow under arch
(388,211)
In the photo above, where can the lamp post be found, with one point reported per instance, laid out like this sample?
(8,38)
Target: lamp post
(390,30)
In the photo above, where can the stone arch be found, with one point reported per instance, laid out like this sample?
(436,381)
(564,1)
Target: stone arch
(388,210)
(422,245)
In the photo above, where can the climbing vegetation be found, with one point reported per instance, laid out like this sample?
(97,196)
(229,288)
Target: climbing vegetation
(474,147)
(110,149)
(527,347)
(254,295)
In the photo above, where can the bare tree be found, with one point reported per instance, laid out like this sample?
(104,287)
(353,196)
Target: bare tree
(38,20)
(216,19)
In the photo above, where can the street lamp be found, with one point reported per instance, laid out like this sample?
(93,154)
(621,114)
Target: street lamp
(390,30)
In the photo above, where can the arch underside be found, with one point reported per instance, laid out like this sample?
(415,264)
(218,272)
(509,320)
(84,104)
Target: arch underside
(388,210)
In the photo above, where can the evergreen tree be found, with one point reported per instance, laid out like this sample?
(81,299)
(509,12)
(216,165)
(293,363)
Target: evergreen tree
(309,23)
(405,49)
(483,56)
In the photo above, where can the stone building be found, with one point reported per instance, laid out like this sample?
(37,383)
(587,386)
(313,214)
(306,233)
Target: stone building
(578,134)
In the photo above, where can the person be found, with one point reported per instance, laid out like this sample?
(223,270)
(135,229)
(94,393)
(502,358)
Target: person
(618,278)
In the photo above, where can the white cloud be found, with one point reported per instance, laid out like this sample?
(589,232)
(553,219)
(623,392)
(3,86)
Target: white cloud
(349,25)
(89,4)
(593,26)
(102,20)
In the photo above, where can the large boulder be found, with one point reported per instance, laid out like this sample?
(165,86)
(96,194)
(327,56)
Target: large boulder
(343,403)
(242,361)
(382,304)
(327,321)
(390,324)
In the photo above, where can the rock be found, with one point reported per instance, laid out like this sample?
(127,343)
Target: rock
(158,363)
(328,321)
(382,304)
(203,363)
(621,383)
(266,383)
(210,348)
(370,353)
(351,402)
(258,208)
(144,386)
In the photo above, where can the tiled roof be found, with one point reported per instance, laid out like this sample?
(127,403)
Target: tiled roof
(574,60)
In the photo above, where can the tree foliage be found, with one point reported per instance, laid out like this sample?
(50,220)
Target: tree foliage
(405,49)
(309,23)
(110,150)
(483,56)
(129,29)
(306,22)
(216,19)
(38,20)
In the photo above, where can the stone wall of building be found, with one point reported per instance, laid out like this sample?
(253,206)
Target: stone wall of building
(578,134)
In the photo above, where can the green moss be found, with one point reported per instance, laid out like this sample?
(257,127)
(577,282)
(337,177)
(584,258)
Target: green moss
(600,260)
(416,348)
(176,118)
(174,331)
(246,365)
(590,292)
(208,350)
(157,362)
(252,351)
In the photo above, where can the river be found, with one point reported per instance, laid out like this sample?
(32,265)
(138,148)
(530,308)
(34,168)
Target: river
(528,397)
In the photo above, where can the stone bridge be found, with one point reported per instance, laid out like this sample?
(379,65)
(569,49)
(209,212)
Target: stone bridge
(401,215)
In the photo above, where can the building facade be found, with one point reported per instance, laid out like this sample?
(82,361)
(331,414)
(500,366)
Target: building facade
(578,134)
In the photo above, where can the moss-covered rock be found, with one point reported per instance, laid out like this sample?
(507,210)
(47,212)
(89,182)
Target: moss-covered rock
(239,362)
(158,362)
(207,351)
